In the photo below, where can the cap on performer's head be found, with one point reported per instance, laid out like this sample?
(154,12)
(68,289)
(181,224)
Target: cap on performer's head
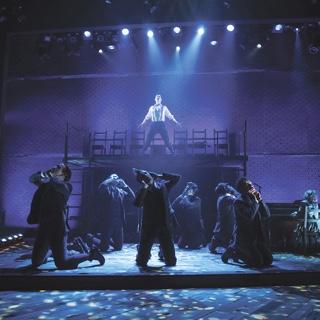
(157,97)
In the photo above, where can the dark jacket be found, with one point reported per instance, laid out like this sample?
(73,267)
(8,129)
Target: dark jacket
(224,226)
(188,212)
(155,201)
(49,203)
(251,222)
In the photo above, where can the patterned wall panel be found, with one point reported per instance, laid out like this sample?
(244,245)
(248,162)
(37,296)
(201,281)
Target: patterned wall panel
(284,178)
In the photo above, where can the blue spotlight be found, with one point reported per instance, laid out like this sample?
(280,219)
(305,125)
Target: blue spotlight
(201,31)
(150,34)
(230,27)
(111,47)
(125,31)
(100,51)
(259,45)
(87,34)
(214,42)
(178,48)
(297,29)
(176,30)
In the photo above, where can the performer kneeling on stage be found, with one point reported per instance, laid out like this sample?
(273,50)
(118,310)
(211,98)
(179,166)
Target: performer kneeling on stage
(153,196)
(223,229)
(157,114)
(251,237)
(111,194)
(48,210)
(187,208)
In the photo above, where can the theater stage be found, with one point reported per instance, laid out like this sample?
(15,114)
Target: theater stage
(195,269)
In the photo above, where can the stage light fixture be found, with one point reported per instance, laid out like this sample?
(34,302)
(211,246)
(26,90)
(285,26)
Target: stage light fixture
(150,33)
(278,27)
(111,47)
(178,48)
(100,51)
(47,38)
(177,30)
(100,38)
(313,49)
(230,27)
(87,34)
(72,44)
(214,42)
(72,38)
(297,29)
(259,46)
(201,31)
(125,31)
(13,239)
(44,47)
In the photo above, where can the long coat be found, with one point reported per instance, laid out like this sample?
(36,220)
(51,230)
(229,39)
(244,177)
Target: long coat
(251,238)
(155,201)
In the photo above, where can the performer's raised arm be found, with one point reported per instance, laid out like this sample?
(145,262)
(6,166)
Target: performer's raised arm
(172,179)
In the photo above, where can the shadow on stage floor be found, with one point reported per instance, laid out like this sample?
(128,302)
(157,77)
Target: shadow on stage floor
(194,269)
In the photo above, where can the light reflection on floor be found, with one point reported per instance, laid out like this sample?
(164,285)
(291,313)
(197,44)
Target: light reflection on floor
(299,302)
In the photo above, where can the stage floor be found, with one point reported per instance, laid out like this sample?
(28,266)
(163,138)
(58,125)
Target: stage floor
(274,303)
(194,269)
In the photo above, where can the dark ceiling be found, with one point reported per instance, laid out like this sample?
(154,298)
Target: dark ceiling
(23,15)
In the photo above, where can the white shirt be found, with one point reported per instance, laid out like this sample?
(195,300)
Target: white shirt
(158,113)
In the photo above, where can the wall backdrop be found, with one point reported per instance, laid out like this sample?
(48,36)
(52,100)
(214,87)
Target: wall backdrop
(281,108)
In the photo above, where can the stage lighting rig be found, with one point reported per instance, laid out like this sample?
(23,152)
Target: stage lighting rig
(73,44)
(6,242)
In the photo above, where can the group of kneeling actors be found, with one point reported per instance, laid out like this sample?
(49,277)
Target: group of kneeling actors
(241,232)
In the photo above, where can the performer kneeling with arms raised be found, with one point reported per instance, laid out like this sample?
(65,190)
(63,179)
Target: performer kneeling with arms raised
(153,196)
(48,210)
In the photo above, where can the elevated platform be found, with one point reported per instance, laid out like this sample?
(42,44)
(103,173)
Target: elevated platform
(184,160)
(195,269)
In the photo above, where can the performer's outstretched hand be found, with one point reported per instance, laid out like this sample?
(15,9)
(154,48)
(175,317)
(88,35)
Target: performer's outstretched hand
(140,126)
(179,124)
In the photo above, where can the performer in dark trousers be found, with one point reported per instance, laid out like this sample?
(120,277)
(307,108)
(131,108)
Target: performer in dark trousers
(48,210)
(157,114)
(187,210)
(251,239)
(111,194)
(223,230)
(153,196)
